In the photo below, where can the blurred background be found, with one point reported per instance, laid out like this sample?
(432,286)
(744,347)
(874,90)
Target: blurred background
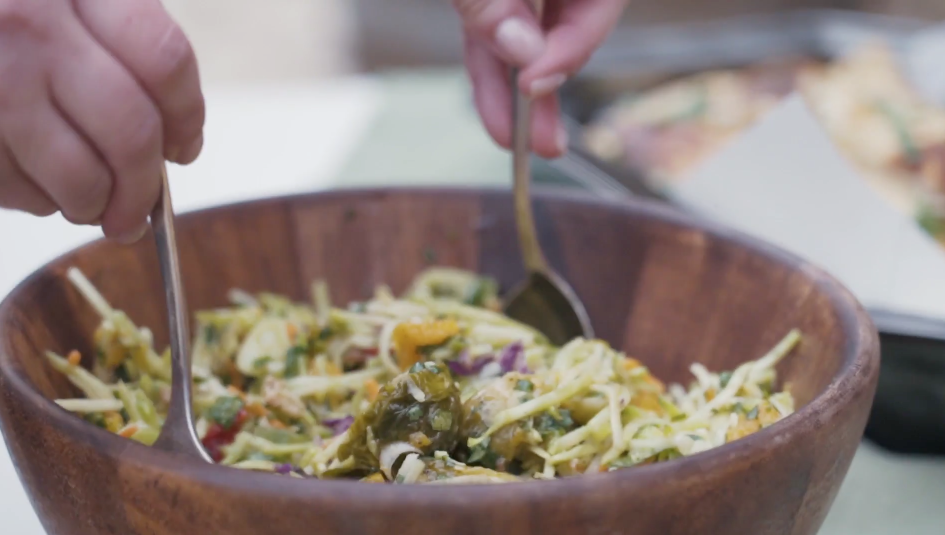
(313,94)
(289,39)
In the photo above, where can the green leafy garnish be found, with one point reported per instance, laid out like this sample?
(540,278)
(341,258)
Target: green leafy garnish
(225,410)
(524,385)
(295,361)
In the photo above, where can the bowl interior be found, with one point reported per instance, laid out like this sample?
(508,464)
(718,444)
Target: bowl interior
(668,293)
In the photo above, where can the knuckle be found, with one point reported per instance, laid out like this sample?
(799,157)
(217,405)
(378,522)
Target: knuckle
(20,15)
(173,54)
(476,12)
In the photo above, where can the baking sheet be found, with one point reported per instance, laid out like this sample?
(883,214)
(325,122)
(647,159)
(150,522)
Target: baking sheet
(647,58)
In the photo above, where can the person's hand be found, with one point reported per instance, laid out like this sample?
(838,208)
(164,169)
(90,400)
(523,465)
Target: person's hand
(94,96)
(504,33)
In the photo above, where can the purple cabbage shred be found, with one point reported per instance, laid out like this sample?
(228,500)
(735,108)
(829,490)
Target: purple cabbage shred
(339,425)
(512,358)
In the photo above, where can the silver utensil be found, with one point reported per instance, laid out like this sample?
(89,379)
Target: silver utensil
(178,434)
(544,300)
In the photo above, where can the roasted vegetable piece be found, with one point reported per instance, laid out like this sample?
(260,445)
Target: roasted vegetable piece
(443,468)
(479,414)
(409,338)
(421,408)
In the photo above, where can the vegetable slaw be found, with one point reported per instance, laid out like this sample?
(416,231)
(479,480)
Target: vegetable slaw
(437,386)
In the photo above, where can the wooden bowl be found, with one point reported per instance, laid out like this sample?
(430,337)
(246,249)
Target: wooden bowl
(667,289)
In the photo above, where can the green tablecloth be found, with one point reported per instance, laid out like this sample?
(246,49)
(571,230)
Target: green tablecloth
(427,132)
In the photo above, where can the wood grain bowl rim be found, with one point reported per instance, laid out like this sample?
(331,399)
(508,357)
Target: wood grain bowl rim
(859,370)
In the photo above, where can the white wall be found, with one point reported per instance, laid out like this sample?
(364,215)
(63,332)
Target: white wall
(242,40)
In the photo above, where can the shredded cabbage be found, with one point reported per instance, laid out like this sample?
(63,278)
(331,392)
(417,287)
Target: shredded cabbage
(285,387)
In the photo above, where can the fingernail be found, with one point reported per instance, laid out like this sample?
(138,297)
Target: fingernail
(561,140)
(132,236)
(520,41)
(547,85)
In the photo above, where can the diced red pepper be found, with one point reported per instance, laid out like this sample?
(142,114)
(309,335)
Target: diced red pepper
(218,437)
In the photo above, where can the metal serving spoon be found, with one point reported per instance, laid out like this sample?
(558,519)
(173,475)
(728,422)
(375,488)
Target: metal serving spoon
(178,433)
(544,300)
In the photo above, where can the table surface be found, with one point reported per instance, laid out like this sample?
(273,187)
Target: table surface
(407,129)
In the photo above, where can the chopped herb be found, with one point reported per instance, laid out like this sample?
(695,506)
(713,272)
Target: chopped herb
(261,362)
(549,426)
(480,291)
(724,378)
(294,361)
(524,385)
(225,410)
(930,221)
(326,333)
(442,420)
(122,372)
(622,462)
(698,108)
(96,419)
(416,368)
(753,413)
(399,479)
(415,412)
(211,334)
(907,142)
(739,408)
(482,455)
(694,437)
(668,455)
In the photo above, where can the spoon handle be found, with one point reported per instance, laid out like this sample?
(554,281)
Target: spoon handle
(178,432)
(532,255)
(521,171)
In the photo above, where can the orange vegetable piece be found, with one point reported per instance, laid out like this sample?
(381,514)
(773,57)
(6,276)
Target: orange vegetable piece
(649,401)
(256,409)
(292,331)
(277,424)
(373,388)
(410,336)
(129,431)
(74,358)
(236,392)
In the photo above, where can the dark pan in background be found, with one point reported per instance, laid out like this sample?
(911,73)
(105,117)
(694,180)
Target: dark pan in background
(908,415)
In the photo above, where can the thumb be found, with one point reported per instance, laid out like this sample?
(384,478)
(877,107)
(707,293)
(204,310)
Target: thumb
(509,27)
